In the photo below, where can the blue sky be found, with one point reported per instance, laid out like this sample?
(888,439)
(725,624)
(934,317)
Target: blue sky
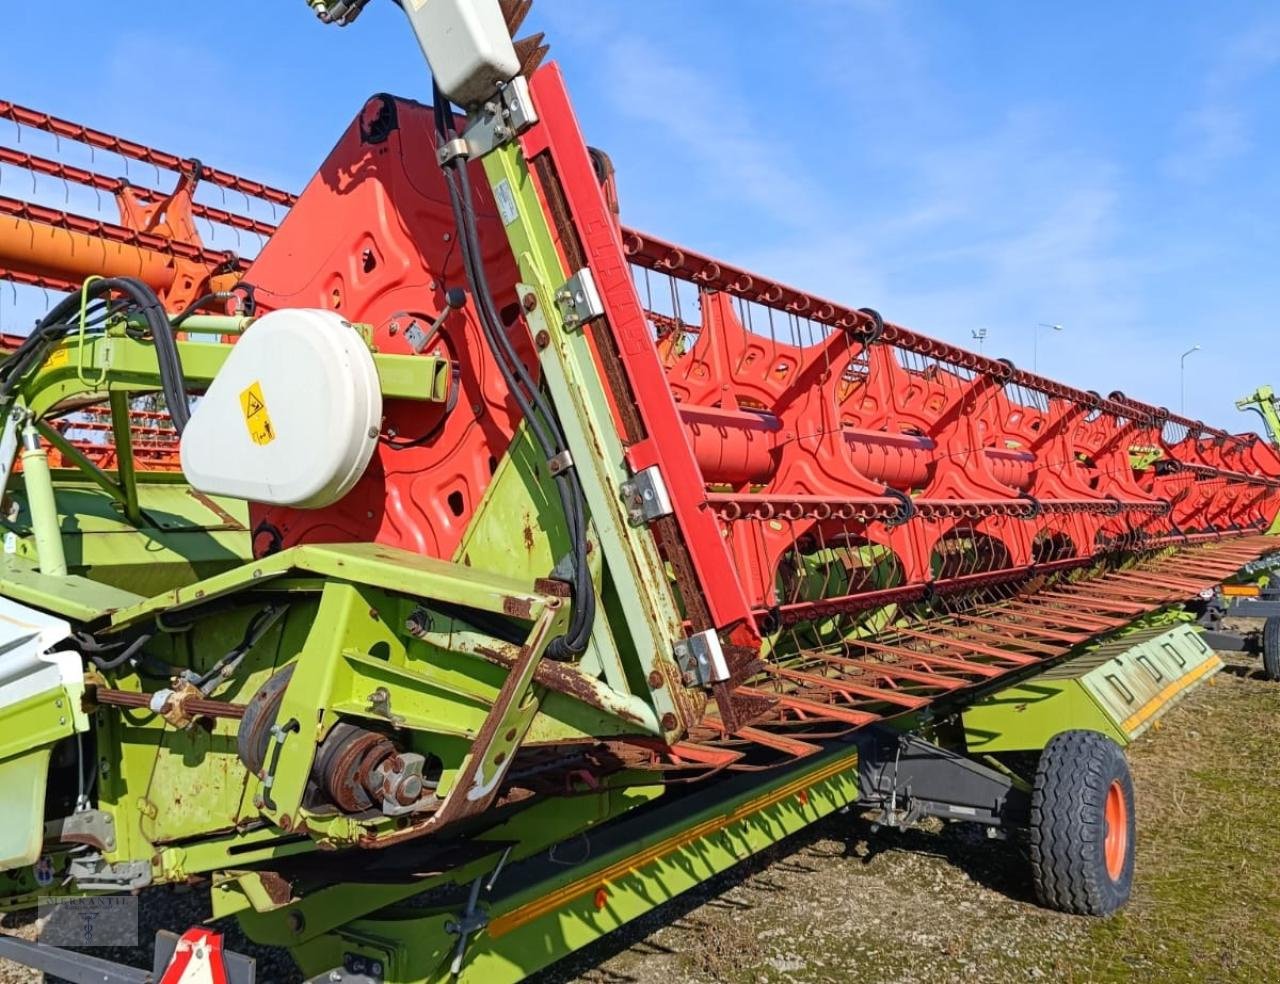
(1111,167)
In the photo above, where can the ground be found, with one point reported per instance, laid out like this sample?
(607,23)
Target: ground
(839,903)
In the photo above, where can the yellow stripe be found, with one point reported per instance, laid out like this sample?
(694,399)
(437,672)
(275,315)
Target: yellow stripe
(563,896)
(1155,703)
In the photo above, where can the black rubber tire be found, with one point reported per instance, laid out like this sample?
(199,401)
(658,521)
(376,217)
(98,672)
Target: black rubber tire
(1068,824)
(1271,648)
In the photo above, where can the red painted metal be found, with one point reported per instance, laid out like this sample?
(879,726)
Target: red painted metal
(904,518)
(371,236)
(140,152)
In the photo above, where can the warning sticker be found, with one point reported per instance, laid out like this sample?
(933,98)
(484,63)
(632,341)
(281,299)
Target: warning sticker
(256,418)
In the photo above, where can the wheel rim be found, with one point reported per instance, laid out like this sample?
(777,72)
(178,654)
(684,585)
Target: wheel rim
(1116,842)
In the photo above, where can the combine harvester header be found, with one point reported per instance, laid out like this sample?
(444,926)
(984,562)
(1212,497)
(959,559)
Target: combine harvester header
(463,520)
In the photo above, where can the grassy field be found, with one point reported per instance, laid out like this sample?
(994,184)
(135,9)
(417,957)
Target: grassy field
(837,903)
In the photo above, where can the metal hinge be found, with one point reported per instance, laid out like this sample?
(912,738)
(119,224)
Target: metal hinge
(701,659)
(498,121)
(645,496)
(579,300)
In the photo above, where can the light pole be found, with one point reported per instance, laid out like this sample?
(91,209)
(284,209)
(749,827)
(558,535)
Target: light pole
(980,334)
(1182,379)
(1035,345)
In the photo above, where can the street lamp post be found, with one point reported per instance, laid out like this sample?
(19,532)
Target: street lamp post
(1182,379)
(980,335)
(1035,344)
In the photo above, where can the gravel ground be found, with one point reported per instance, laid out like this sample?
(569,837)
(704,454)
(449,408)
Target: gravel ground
(836,903)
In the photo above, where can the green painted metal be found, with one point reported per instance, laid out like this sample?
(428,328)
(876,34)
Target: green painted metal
(1264,402)
(540,911)
(640,596)
(24,777)
(118,363)
(73,597)
(181,535)
(41,504)
(1119,687)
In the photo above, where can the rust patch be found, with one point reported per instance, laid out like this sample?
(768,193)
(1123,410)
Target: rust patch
(277,888)
(565,680)
(551,586)
(517,607)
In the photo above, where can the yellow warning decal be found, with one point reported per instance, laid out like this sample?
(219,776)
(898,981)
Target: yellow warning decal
(58,357)
(256,418)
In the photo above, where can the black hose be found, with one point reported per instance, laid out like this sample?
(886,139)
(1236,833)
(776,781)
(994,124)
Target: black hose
(129,651)
(63,321)
(200,302)
(542,421)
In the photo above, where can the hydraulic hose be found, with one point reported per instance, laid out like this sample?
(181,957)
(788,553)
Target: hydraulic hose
(64,320)
(542,421)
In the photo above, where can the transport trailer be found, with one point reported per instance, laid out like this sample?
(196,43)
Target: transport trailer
(516,570)
(1258,602)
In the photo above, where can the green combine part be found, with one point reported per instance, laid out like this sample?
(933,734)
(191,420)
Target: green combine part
(464,606)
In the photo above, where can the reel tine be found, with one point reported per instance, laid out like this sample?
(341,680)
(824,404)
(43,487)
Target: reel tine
(530,52)
(514,12)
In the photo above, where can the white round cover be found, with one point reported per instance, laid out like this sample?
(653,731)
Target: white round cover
(292,418)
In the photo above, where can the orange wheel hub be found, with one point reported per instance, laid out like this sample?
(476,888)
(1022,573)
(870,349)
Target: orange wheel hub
(1115,844)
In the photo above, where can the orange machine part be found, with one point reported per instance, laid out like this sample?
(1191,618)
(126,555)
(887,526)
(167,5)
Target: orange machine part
(372,237)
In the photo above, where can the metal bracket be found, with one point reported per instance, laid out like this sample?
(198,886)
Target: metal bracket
(498,121)
(701,659)
(473,918)
(93,827)
(907,778)
(356,969)
(91,874)
(579,300)
(645,496)
(560,462)
(1262,565)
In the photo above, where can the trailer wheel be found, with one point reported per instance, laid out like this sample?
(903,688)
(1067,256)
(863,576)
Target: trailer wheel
(1082,825)
(1271,648)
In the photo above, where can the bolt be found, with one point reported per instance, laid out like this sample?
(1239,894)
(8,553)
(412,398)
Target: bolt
(286,822)
(655,680)
(373,432)
(409,790)
(295,921)
(542,339)
(530,301)
(669,722)
(393,328)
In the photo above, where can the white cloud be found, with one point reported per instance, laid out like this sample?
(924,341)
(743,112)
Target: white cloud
(1220,127)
